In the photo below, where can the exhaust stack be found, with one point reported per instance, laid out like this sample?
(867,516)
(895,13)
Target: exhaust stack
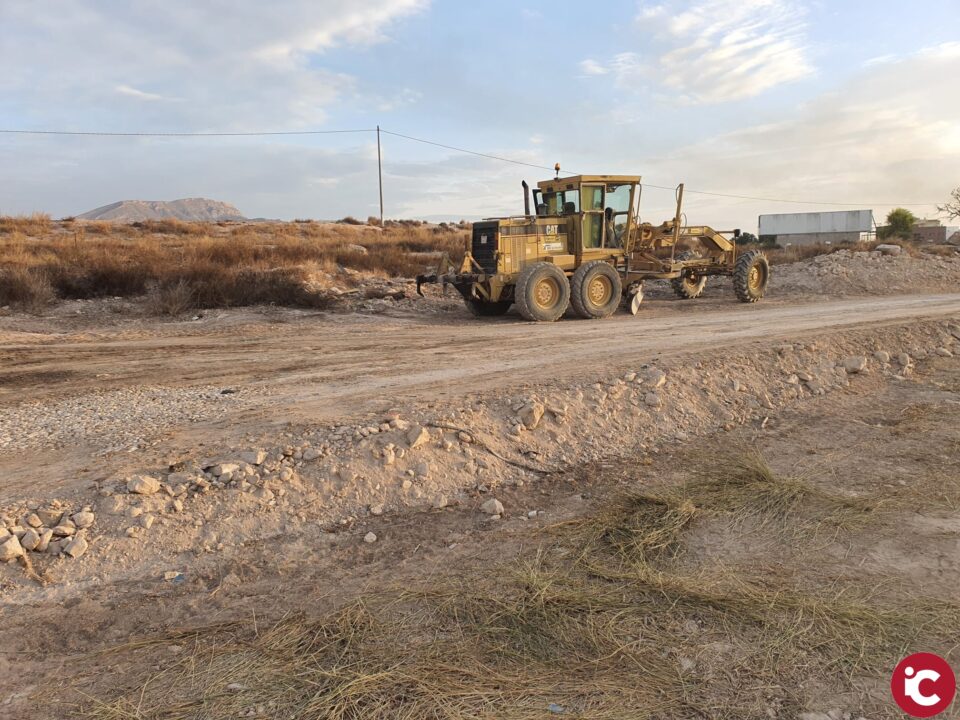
(526,198)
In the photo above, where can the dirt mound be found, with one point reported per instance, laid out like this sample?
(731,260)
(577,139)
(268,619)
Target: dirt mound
(866,273)
(187,209)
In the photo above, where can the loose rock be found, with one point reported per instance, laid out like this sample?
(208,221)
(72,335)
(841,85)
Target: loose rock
(370,538)
(76,547)
(492,507)
(418,436)
(530,415)
(855,364)
(143,485)
(10,548)
(83,519)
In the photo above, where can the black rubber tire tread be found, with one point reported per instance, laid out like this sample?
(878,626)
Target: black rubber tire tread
(578,290)
(741,276)
(523,294)
(682,287)
(488,309)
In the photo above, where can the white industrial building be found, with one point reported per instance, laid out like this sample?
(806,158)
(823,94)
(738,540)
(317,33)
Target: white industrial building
(845,226)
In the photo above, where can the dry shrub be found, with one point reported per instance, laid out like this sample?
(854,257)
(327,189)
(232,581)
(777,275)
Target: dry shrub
(245,264)
(173,299)
(35,224)
(26,288)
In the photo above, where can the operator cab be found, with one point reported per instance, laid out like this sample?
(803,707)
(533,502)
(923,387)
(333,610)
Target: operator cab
(604,204)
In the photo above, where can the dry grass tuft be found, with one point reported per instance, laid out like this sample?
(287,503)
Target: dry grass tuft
(36,224)
(209,265)
(600,622)
(741,484)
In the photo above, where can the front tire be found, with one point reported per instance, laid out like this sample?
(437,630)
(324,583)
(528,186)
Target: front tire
(595,290)
(542,293)
(750,276)
(690,285)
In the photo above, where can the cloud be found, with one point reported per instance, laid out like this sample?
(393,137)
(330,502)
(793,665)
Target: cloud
(592,67)
(244,66)
(715,51)
(889,135)
(139,94)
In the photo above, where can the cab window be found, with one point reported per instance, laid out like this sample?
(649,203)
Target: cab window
(562,203)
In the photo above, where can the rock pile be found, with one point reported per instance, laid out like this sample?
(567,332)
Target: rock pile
(53,529)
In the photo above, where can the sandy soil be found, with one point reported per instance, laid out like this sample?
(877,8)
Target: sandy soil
(402,423)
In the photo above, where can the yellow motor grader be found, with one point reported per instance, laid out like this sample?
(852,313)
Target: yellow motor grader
(583,248)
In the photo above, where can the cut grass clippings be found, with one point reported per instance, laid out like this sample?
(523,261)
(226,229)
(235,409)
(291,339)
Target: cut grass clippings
(597,623)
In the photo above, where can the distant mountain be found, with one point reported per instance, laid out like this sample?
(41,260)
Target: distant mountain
(187,209)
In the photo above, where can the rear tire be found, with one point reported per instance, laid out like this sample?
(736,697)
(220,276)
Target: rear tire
(596,290)
(750,276)
(542,293)
(690,285)
(488,309)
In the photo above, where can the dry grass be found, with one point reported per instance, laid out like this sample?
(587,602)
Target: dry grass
(598,622)
(204,264)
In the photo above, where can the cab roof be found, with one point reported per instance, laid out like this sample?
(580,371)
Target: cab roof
(572,183)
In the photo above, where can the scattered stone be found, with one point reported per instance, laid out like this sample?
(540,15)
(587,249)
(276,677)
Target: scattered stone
(143,485)
(439,502)
(45,537)
(532,514)
(253,457)
(10,548)
(311,454)
(422,470)
(177,505)
(33,520)
(944,352)
(389,456)
(370,538)
(655,378)
(76,547)
(881,356)
(892,250)
(83,519)
(418,436)
(855,364)
(50,516)
(492,507)
(652,399)
(64,530)
(793,379)
(224,469)
(30,539)
(146,522)
(531,414)
(465,438)
(376,510)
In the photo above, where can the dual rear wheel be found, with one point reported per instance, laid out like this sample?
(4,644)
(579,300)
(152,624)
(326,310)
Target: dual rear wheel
(543,292)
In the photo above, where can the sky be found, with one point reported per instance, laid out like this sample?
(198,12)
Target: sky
(829,102)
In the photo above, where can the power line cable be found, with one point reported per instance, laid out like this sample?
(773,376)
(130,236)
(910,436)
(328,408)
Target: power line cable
(184,134)
(646,184)
(469,152)
(454,148)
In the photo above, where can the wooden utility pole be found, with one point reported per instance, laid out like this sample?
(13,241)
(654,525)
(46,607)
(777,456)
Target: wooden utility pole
(380,174)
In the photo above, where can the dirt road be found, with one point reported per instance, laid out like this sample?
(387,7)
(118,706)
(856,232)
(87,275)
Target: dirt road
(312,364)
